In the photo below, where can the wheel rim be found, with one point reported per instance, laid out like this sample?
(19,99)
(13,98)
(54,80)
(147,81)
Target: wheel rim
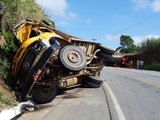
(73,57)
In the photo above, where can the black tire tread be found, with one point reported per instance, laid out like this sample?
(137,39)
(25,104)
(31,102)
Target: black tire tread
(92,85)
(94,79)
(37,98)
(106,50)
(107,57)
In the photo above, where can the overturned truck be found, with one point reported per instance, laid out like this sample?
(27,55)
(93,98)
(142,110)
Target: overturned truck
(49,60)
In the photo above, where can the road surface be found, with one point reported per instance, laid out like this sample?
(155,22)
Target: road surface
(75,104)
(137,92)
(126,94)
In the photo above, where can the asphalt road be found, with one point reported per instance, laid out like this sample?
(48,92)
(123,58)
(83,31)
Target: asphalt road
(75,104)
(136,91)
(126,94)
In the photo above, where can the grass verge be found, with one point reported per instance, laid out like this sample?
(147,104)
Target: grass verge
(154,66)
(7,99)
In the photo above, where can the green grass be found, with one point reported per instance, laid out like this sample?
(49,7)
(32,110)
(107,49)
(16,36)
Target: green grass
(4,70)
(153,66)
(6,100)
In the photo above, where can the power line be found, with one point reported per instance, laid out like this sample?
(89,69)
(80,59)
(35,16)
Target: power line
(138,23)
(154,28)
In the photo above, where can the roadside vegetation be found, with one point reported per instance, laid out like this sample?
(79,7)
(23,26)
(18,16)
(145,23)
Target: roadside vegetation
(6,98)
(11,13)
(127,44)
(153,66)
(148,51)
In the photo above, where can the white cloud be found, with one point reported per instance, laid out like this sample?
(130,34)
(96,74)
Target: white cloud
(72,15)
(57,8)
(139,39)
(141,4)
(111,37)
(88,21)
(154,5)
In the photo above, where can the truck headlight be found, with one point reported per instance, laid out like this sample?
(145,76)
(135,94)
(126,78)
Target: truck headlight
(36,47)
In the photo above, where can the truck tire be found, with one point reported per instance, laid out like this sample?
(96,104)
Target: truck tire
(107,57)
(91,81)
(94,79)
(92,85)
(42,95)
(73,58)
(106,50)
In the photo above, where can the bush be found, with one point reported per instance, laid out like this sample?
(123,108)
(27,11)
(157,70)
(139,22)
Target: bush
(154,66)
(4,69)
(10,46)
(6,56)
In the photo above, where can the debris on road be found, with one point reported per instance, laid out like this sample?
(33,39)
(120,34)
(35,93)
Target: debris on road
(17,110)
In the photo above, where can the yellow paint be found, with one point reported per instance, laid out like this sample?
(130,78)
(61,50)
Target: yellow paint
(151,82)
(23,35)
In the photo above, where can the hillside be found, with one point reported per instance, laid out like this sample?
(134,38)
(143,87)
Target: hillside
(11,13)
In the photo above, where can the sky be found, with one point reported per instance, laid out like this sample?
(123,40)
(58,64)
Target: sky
(104,21)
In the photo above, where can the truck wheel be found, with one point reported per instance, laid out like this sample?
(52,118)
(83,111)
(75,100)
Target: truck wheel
(44,94)
(91,81)
(73,58)
(106,50)
(94,79)
(106,56)
(92,85)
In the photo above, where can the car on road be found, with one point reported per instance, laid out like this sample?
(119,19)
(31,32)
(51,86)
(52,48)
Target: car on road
(49,60)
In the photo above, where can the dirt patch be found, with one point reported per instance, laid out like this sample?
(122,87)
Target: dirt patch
(7,98)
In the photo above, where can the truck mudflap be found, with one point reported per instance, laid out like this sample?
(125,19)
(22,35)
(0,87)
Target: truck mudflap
(35,72)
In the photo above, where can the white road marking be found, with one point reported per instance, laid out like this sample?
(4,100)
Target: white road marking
(115,102)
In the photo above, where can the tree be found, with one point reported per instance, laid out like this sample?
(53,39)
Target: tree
(17,10)
(150,45)
(127,44)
